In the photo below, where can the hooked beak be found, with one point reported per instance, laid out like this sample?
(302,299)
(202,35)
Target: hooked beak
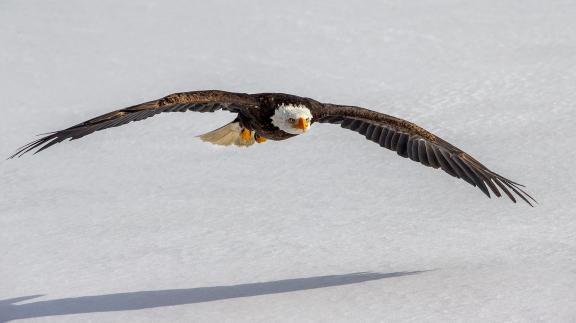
(302,123)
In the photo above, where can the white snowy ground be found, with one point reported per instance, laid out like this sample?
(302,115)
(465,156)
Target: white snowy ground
(145,223)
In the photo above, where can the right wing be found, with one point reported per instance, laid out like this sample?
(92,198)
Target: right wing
(416,143)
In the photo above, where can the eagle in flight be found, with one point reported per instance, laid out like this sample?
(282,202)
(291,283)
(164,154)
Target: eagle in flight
(278,116)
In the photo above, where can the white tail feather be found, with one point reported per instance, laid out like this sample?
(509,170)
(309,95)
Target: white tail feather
(227,135)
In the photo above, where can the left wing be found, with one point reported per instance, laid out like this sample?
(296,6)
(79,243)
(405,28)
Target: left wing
(198,101)
(416,143)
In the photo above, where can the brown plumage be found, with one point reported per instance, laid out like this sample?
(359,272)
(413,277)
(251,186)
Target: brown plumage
(255,111)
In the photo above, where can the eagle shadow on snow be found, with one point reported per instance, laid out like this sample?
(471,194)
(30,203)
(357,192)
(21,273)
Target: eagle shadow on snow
(9,310)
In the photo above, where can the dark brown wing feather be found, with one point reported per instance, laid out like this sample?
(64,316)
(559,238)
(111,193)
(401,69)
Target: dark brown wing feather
(414,142)
(199,101)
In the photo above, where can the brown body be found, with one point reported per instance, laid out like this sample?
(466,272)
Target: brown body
(258,119)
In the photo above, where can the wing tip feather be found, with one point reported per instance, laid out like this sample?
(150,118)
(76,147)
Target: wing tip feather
(41,144)
(491,178)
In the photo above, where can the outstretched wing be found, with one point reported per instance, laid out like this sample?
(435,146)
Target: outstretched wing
(199,101)
(414,142)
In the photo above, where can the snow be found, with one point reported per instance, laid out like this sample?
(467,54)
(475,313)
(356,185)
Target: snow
(146,223)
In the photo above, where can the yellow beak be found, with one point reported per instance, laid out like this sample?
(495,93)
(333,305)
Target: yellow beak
(302,123)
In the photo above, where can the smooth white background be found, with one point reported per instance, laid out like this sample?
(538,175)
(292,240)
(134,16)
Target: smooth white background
(145,223)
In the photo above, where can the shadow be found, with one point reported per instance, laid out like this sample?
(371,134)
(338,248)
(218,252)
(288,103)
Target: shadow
(9,310)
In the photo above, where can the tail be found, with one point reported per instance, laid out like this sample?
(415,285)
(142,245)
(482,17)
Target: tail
(228,135)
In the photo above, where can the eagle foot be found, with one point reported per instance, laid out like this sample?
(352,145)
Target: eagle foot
(246,135)
(259,139)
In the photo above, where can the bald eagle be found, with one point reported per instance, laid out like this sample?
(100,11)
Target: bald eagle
(278,116)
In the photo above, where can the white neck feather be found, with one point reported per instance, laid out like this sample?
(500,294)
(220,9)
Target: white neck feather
(285,112)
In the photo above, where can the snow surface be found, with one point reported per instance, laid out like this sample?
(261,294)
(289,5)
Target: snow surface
(145,223)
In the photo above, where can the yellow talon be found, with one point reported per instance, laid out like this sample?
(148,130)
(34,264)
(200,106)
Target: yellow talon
(246,135)
(259,139)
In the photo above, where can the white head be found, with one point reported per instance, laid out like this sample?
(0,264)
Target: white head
(293,119)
